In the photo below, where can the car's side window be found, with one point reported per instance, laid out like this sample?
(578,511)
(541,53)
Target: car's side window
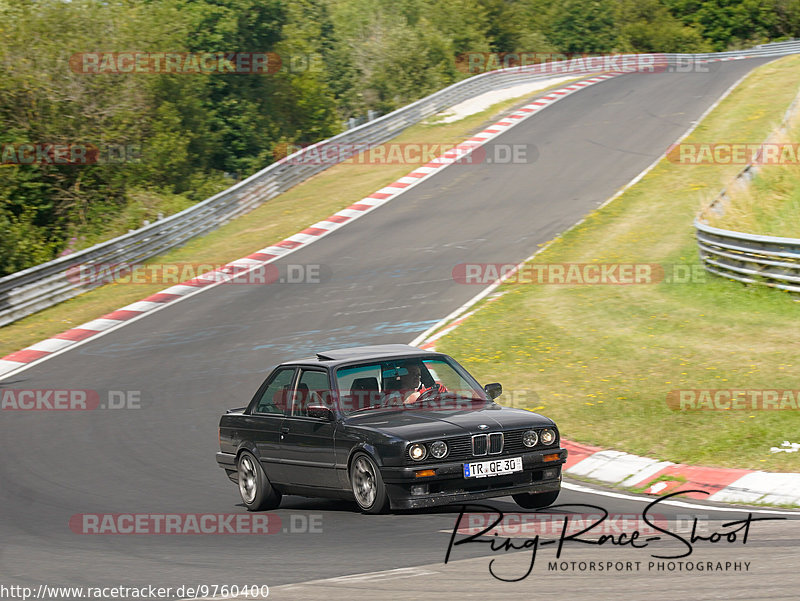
(312,389)
(275,398)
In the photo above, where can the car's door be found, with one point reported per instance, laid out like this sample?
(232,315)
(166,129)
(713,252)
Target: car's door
(266,418)
(307,443)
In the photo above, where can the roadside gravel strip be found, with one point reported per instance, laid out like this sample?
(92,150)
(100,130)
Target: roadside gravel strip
(487,99)
(41,351)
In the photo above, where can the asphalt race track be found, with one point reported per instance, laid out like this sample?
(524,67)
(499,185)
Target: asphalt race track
(386,278)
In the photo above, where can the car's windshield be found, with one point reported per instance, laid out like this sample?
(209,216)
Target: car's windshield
(391,383)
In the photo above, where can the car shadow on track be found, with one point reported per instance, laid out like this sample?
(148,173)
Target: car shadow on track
(290,502)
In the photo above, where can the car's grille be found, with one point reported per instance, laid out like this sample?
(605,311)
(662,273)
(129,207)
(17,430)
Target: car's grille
(513,440)
(481,445)
(491,444)
(459,447)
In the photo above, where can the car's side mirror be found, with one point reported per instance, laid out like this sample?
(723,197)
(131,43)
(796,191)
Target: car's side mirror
(494,390)
(320,411)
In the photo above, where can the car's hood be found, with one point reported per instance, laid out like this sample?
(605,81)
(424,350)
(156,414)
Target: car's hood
(422,423)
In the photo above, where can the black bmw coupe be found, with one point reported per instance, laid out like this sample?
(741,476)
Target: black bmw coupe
(389,426)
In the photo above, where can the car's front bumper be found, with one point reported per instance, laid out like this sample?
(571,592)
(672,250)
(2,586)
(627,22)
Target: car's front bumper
(448,484)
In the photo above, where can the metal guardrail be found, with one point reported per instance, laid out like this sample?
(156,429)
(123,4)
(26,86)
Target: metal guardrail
(749,258)
(39,287)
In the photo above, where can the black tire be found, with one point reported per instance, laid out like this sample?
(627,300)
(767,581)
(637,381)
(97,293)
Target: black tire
(254,487)
(367,484)
(528,500)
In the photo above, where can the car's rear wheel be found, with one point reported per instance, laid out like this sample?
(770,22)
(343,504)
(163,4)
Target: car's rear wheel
(254,486)
(528,500)
(367,484)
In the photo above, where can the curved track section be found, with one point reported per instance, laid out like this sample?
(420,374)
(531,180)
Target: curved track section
(386,279)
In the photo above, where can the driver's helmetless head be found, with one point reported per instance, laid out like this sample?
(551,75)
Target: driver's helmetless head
(411,379)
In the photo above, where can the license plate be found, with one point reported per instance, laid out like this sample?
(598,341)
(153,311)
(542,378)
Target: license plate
(496,467)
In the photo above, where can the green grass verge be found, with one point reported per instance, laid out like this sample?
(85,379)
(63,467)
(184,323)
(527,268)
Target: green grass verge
(600,360)
(770,205)
(306,203)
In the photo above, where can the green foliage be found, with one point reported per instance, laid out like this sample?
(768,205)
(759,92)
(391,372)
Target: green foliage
(24,243)
(648,26)
(586,26)
(737,23)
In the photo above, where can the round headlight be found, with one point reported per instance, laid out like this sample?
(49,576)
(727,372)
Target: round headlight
(530,438)
(548,436)
(417,452)
(439,449)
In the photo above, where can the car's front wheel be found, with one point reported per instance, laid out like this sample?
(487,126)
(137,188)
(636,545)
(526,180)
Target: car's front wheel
(367,483)
(254,487)
(528,500)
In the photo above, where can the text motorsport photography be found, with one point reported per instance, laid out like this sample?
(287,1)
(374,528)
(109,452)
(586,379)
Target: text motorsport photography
(667,549)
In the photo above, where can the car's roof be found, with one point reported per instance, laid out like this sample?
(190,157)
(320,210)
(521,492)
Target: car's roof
(334,357)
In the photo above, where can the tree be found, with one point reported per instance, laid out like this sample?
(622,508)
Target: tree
(648,26)
(584,26)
